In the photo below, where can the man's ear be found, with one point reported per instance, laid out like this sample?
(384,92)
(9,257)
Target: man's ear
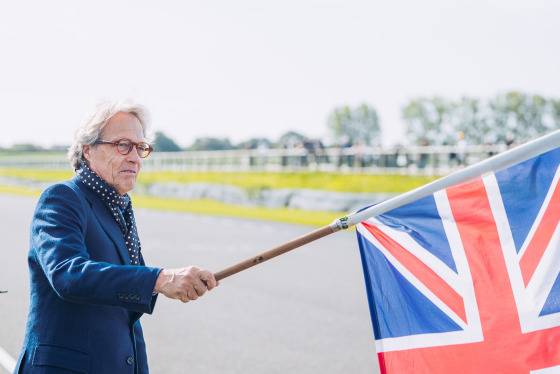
(86,150)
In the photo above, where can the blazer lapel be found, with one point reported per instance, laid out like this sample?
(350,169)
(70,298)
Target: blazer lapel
(106,220)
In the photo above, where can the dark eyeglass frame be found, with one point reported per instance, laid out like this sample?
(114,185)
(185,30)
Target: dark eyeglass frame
(142,148)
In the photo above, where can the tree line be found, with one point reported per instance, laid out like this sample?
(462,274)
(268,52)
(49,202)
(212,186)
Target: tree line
(505,118)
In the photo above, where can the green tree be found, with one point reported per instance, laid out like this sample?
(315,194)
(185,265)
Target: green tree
(255,143)
(521,115)
(554,107)
(430,120)
(355,124)
(516,114)
(290,138)
(162,143)
(471,117)
(25,147)
(211,144)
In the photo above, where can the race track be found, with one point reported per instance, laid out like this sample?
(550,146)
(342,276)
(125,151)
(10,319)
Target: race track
(302,312)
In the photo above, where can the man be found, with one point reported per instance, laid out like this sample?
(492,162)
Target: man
(89,283)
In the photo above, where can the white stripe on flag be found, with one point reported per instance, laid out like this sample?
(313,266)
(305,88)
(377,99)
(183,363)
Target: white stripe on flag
(552,370)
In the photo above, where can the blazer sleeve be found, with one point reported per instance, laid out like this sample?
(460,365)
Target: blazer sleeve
(58,245)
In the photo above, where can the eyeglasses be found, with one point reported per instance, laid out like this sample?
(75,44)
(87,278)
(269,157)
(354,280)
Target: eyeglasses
(124,146)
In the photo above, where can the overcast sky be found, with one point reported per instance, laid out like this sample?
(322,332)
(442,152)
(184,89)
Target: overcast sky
(251,68)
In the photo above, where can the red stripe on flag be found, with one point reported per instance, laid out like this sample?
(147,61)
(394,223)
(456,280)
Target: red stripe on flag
(422,272)
(535,250)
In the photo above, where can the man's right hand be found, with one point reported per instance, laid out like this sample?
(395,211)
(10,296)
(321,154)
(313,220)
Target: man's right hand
(185,284)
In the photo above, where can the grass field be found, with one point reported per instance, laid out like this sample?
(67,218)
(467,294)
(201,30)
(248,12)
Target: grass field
(250,181)
(370,183)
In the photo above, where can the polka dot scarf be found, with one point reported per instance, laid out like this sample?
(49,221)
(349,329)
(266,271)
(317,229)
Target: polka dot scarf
(120,207)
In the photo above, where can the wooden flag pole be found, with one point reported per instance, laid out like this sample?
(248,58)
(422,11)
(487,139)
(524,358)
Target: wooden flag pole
(494,164)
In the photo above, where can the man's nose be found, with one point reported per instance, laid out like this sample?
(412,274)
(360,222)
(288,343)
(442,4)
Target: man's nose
(133,155)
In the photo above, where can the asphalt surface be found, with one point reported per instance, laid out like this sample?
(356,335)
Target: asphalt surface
(303,312)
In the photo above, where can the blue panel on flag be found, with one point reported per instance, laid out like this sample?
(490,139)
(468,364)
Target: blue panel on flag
(524,188)
(397,303)
(424,225)
(552,304)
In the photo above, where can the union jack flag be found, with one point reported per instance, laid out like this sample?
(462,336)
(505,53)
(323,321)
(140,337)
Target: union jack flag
(467,280)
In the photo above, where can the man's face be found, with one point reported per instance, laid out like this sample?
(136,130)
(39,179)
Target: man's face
(120,171)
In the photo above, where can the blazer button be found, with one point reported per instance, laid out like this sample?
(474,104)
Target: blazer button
(129,360)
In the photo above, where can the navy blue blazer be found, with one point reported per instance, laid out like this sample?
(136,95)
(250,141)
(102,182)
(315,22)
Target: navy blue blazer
(86,298)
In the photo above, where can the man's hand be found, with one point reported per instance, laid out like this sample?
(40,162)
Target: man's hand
(185,284)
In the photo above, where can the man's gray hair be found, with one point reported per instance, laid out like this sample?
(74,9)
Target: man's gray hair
(95,120)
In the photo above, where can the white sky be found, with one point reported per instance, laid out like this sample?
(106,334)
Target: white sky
(247,68)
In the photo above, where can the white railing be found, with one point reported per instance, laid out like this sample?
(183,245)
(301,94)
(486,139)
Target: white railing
(432,160)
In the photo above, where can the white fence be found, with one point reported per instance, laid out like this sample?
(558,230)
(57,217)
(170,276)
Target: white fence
(431,160)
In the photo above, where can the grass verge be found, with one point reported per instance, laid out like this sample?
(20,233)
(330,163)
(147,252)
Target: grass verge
(212,208)
(252,181)
(369,183)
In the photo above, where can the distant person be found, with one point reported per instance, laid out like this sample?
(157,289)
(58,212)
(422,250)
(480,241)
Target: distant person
(510,140)
(423,157)
(89,283)
(360,155)
(461,149)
